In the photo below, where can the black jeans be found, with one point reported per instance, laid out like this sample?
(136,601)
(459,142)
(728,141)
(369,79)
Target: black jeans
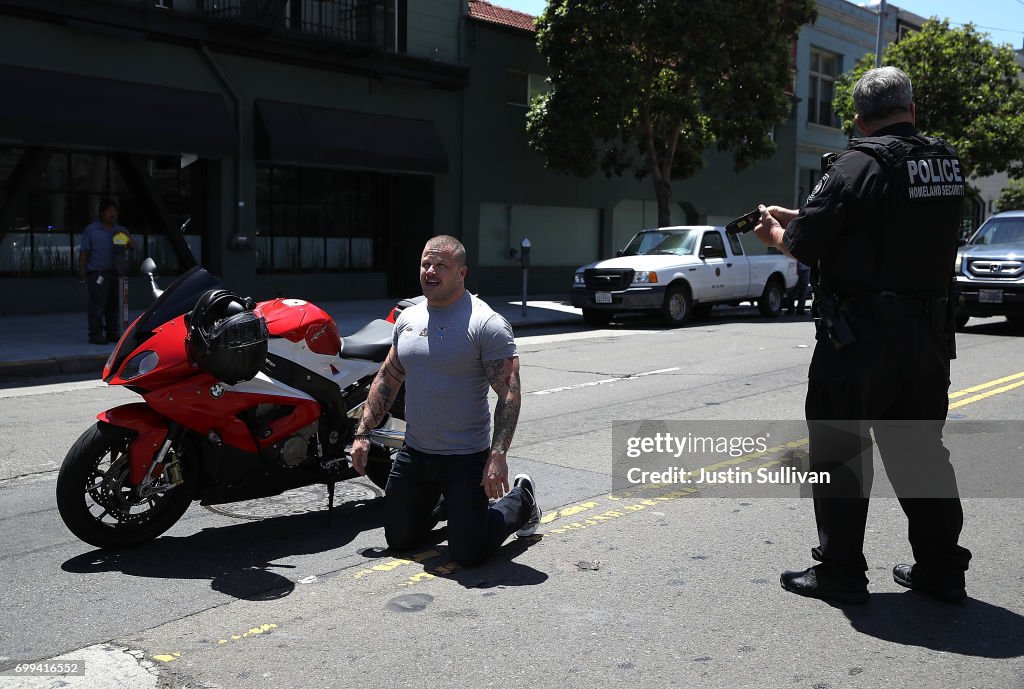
(894,381)
(475,528)
(103,315)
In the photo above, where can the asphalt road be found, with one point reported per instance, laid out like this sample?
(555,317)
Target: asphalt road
(659,587)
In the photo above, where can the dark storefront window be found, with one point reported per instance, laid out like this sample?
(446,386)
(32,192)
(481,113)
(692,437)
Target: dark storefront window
(321,220)
(44,233)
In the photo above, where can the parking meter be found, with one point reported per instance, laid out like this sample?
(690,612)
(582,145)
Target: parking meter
(121,240)
(121,253)
(524,259)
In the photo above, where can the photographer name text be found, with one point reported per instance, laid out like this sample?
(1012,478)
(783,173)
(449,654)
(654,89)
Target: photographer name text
(763,475)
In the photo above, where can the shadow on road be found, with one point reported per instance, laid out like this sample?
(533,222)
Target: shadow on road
(499,571)
(237,559)
(973,628)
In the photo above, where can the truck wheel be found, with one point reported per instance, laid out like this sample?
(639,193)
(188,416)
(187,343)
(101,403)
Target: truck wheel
(770,303)
(596,319)
(676,309)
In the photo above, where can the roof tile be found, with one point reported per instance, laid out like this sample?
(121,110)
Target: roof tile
(486,12)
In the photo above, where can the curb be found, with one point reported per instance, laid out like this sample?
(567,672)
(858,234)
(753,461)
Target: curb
(88,363)
(56,366)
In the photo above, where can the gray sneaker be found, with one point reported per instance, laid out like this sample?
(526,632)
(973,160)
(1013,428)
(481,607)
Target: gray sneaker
(525,483)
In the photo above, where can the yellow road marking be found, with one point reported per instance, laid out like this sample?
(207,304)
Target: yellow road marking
(985,395)
(255,631)
(624,509)
(976,388)
(167,658)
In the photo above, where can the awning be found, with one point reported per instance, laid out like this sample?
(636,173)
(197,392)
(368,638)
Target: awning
(292,134)
(43,108)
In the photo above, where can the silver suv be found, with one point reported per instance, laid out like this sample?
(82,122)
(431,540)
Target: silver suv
(990,270)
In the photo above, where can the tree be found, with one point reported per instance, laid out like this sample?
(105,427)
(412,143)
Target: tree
(649,85)
(966,90)
(1012,196)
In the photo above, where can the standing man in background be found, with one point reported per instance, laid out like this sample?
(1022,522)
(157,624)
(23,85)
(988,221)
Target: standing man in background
(885,329)
(100,242)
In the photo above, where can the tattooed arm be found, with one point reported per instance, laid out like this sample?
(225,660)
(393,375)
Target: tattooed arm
(503,375)
(383,391)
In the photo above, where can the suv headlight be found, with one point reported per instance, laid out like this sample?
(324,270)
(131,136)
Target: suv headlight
(577,280)
(641,278)
(958,265)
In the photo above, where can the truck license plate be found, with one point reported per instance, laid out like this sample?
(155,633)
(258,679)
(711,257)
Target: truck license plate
(990,296)
(606,298)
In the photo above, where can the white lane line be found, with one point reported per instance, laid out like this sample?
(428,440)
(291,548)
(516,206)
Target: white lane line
(526,340)
(605,381)
(32,390)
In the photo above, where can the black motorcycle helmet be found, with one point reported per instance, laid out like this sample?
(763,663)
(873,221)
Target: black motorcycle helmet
(225,338)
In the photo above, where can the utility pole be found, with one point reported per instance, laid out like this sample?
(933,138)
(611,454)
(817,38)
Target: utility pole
(881,31)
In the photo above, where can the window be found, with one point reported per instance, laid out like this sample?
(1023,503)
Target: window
(823,72)
(44,234)
(736,244)
(521,88)
(308,219)
(712,245)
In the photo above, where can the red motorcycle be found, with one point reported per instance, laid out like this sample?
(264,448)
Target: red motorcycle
(241,401)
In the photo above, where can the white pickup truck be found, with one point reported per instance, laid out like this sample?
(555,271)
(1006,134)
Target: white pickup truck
(681,272)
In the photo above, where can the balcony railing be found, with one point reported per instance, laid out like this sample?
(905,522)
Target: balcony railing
(367,22)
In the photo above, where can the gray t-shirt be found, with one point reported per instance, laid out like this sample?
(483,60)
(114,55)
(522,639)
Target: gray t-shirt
(442,351)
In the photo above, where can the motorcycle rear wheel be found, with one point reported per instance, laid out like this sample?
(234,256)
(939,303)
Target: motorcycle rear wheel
(96,501)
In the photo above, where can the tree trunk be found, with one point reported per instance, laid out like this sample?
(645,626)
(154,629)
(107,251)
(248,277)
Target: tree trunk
(663,192)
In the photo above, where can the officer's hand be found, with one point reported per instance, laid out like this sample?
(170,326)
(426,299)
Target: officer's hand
(768,230)
(495,478)
(782,215)
(360,454)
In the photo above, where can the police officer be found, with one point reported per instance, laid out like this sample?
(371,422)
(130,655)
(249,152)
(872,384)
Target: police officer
(881,230)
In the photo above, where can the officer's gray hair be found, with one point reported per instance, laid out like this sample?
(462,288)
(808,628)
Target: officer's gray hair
(443,242)
(882,91)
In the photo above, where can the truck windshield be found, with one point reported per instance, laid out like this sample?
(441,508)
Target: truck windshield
(678,242)
(1000,231)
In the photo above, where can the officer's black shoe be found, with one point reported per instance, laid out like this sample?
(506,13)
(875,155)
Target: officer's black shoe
(950,590)
(821,581)
(113,338)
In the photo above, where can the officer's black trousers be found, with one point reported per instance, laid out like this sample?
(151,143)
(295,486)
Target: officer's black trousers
(894,382)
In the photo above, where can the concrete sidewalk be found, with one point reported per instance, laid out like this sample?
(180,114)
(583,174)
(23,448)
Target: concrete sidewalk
(52,344)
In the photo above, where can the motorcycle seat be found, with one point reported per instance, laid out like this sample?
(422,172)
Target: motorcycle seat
(371,342)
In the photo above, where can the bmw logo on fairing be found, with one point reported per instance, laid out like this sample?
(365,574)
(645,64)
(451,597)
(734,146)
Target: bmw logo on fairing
(217,391)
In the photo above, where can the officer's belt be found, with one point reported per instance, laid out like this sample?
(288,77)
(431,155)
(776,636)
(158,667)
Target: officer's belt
(893,303)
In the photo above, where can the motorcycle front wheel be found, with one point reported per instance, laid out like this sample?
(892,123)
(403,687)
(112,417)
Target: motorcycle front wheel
(96,500)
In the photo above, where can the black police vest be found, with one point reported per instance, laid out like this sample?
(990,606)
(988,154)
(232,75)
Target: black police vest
(914,221)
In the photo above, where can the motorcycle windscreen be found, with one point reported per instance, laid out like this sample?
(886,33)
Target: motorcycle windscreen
(177,299)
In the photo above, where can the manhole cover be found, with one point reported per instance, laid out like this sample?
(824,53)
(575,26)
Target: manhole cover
(300,501)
